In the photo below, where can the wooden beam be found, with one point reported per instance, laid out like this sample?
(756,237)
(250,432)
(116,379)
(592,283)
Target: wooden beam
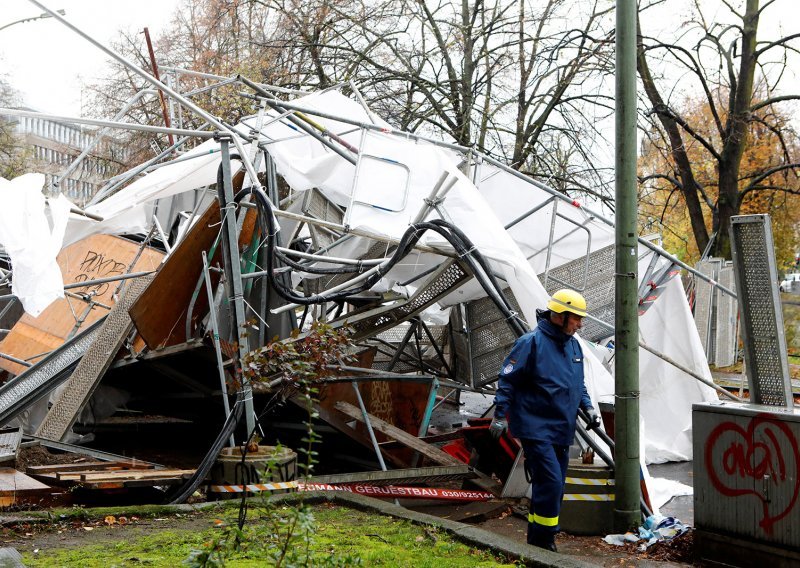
(431,452)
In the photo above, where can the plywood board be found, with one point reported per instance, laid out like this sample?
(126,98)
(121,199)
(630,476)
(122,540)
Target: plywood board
(98,256)
(160,312)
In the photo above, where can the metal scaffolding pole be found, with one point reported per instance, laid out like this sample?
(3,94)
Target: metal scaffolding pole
(626,392)
(233,275)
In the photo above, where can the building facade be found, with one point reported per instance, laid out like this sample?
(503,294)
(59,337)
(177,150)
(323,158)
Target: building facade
(51,147)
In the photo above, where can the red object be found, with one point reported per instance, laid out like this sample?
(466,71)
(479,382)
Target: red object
(394,491)
(458,450)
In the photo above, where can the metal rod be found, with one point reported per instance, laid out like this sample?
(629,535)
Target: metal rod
(154,65)
(233,276)
(368,423)
(15,360)
(96,140)
(306,124)
(212,315)
(330,259)
(107,123)
(94,282)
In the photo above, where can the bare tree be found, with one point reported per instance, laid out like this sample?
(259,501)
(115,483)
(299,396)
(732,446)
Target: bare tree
(739,78)
(12,153)
(519,79)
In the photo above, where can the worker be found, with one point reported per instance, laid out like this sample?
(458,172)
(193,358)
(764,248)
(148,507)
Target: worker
(540,389)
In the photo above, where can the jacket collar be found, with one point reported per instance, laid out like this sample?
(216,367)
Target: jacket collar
(549,328)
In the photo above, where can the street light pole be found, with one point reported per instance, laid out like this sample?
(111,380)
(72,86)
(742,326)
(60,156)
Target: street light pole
(31,19)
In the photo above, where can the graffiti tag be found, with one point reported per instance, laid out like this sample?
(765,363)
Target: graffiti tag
(765,451)
(96,265)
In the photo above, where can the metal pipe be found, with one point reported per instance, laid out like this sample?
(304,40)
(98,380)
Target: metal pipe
(212,316)
(626,390)
(356,232)
(233,275)
(122,178)
(93,283)
(306,124)
(155,74)
(367,422)
(189,72)
(330,259)
(85,152)
(108,123)
(15,360)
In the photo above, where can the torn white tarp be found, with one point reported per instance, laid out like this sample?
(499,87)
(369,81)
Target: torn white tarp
(32,237)
(667,393)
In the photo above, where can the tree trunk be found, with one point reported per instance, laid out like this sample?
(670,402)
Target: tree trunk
(736,133)
(689,186)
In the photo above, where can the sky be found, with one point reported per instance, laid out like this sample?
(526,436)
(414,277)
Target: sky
(47,62)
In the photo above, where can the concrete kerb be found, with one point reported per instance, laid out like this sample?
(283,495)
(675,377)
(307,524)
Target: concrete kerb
(468,534)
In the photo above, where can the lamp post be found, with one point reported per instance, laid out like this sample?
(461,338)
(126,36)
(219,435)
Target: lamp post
(31,19)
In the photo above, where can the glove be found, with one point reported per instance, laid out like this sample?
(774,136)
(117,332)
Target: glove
(499,425)
(594,419)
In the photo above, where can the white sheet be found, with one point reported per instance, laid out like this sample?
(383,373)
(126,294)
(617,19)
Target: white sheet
(32,240)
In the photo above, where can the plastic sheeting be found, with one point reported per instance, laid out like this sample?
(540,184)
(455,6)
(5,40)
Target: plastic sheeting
(667,393)
(32,234)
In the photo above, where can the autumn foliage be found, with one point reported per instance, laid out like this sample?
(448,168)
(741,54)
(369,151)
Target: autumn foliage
(767,182)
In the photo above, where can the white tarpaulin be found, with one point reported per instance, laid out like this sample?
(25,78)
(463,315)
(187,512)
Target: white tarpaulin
(32,240)
(667,393)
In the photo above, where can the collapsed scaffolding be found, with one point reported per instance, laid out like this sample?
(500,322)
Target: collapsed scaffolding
(314,209)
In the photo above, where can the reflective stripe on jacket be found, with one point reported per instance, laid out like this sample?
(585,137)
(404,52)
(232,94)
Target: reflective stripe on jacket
(541,385)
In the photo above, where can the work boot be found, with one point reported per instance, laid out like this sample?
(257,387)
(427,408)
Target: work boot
(546,543)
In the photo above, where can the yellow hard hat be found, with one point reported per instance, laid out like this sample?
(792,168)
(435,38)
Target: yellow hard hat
(567,300)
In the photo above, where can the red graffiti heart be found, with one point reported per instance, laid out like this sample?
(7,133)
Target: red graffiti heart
(754,454)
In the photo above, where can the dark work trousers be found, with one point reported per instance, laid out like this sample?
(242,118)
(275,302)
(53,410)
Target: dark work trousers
(547,467)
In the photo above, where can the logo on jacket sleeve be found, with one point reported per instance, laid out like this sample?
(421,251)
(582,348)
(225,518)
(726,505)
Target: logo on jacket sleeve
(508,368)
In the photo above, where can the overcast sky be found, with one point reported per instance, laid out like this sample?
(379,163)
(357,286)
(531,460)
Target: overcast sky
(47,62)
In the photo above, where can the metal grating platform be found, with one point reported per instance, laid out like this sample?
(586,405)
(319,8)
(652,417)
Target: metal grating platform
(317,206)
(703,304)
(594,278)
(725,344)
(762,318)
(450,276)
(35,382)
(115,328)
(490,338)
(410,362)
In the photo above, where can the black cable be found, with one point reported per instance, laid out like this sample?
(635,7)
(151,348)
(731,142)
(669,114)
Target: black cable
(191,485)
(460,242)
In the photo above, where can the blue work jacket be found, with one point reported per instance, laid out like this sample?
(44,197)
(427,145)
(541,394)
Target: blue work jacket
(541,385)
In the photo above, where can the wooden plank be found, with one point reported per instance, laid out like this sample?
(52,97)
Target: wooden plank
(134,483)
(134,474)
(97,256)
(13,482)
(85,466)
(161,311)
(431,452)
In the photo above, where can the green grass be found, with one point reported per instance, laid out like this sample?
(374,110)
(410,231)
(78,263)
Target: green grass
(339,533)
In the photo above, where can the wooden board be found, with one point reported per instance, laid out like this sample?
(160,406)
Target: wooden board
(431,452)
(160,312)
(98,256)
(15,486)
(85,466)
